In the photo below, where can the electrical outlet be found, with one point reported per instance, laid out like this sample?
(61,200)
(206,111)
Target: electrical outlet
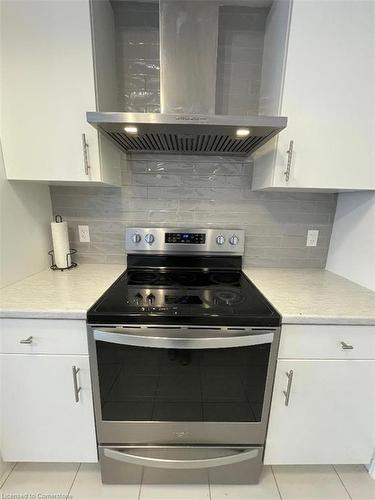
(312,237)
(84,234)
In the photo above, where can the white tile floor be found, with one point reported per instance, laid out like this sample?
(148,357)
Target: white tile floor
(82,482)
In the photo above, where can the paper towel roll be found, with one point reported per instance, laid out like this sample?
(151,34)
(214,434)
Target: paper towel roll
(60,241)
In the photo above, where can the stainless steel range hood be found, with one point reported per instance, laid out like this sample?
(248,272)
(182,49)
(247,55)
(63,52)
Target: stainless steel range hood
(187,123)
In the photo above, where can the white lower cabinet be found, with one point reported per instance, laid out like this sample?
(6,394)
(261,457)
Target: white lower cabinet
(330,416)
(41,418)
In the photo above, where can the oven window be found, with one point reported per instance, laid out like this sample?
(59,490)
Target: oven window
(188,385)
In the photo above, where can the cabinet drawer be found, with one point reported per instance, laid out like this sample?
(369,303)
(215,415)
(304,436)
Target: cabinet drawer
(327,342)
(43,336)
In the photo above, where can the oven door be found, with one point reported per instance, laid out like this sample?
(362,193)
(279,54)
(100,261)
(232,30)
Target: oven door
(173,385)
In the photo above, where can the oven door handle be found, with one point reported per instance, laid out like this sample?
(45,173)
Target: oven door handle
(168,463)
(183,342)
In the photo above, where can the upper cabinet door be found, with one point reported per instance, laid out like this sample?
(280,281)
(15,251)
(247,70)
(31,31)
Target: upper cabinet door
(328,97)
(47,88)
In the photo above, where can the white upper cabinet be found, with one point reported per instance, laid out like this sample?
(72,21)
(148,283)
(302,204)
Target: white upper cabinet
(48,85)
(328,96)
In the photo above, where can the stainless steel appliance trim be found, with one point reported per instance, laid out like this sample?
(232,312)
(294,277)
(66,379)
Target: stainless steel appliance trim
(118,118)
(181,433)
(289,386)
(135,338)
(29,340)
(188,76)
(158,245)
(165,463)
(187,134)
(76,386)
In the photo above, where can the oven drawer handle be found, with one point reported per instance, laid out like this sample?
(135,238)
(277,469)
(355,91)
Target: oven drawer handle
(167,463)
(182,342)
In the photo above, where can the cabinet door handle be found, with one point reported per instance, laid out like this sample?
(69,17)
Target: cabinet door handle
(345,346)
(85,147)
(76,386)
(286,393)
(289,162)
(29,340)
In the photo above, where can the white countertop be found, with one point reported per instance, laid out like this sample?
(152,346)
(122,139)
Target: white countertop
(300,295)
(315,296)
(58,294)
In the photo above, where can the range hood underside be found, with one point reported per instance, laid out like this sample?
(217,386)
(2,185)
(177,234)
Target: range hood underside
(186,134)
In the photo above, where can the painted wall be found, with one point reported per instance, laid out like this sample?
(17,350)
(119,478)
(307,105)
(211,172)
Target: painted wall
(25,213)
(352,248)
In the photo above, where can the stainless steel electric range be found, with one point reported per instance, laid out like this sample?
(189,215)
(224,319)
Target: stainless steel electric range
(183,351)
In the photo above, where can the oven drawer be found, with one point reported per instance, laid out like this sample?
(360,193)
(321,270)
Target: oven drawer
(180,464)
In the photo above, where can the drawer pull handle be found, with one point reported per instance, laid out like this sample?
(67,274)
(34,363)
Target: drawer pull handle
(171,463)
(289,386)
(29,340)
(76,386)
(344,345)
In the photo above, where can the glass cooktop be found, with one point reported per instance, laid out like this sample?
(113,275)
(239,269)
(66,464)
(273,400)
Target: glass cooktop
(201,297)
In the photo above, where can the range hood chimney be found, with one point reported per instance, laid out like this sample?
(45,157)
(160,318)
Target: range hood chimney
(188,56)
(187,123)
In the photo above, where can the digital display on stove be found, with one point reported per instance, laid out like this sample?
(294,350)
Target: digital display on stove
(183,299)
(192,238)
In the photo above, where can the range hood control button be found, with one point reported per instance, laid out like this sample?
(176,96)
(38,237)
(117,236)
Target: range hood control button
(136,238)
(149,238)
(233,240)
(220,240)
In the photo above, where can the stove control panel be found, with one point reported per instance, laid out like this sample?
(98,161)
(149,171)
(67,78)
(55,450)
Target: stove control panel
(160,240)
(186,238)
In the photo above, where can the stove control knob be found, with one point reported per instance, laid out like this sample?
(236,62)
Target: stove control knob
(138,298)
(150,299)
(136,238)
(233,240)
(220,240)
(149,238)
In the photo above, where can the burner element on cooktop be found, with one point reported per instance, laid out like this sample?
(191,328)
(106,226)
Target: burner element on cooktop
(228,297)
(184,278)
(225,278)
(163,278)
(143,277)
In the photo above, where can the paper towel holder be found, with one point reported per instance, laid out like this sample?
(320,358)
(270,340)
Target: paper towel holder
(69,254)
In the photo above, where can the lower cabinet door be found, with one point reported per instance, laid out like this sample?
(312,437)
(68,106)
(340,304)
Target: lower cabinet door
(46,409)
(322,412)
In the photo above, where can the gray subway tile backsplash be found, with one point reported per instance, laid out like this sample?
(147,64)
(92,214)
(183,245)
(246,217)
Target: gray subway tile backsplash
(199,191)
